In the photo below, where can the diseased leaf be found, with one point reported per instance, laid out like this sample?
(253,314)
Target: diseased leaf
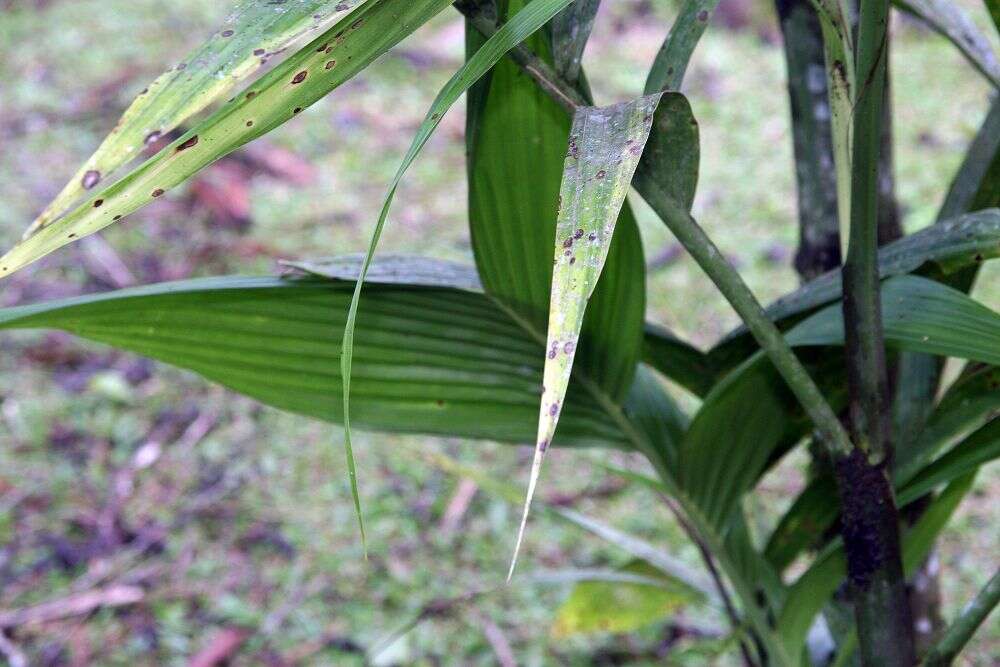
(305,77)
(604,606)
(253,33)
(951,22)
(604,148)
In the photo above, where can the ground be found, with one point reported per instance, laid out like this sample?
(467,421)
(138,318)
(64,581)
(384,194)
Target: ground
(117,471)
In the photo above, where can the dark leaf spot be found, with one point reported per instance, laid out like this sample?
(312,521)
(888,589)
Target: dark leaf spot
(330,64)
(258,52)
(600,175)
(249,123)
(252,94)
(117,217)
(300,77)
(188,144)
(157,192)
(578,233)
(568,243)
(296,109)
(703,16)
(227,33)
(321,48)
(98,202)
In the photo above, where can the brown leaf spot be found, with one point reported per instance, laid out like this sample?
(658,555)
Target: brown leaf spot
(157,192)
(187,144)
(300,77)
(98,202)
(227,33)
(330,64)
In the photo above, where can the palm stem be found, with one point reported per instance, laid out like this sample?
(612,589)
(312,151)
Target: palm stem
(870,521)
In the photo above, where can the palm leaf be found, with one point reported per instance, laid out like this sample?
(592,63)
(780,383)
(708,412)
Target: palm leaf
(604,148)
(305,77)
(253,33)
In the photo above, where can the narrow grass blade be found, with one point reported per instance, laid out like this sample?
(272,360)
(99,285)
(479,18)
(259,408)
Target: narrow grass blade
(604,148)
(527,21)
(328,61)
(253,33)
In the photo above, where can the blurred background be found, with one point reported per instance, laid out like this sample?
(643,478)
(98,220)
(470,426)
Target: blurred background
(220,530)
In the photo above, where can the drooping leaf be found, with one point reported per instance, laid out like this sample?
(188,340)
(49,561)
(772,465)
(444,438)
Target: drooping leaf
(435,360)
(922,315)
(604,606)
(672,60)
(951,22)
(943,248)
(253,33)
(306,76)
(604,148)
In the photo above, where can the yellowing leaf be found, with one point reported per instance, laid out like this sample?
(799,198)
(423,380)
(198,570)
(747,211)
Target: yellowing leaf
(621,606)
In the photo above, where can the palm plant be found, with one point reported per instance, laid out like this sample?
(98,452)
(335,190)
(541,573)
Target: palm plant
(544,340)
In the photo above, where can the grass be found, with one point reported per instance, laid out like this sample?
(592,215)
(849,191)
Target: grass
(249,509)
